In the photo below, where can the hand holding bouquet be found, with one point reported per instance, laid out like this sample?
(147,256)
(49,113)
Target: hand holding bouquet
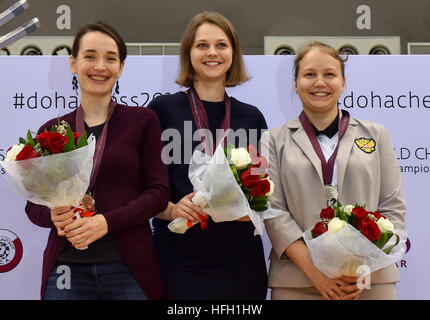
(350,236)
(230,185)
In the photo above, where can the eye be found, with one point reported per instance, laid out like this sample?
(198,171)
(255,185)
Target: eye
(222,45)
(89,56)
(309,74)
(201,45)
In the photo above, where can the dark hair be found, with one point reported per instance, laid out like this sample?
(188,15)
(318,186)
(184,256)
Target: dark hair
(330,50)
(237,73)
(104,28)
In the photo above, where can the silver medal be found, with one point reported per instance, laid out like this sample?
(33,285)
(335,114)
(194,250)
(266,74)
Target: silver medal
(331,194)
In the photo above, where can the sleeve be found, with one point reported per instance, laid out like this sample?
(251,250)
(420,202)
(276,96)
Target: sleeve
(391,199)
(283,229)
(155,195)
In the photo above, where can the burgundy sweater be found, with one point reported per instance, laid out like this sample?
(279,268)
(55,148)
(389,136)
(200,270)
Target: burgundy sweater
(131,187)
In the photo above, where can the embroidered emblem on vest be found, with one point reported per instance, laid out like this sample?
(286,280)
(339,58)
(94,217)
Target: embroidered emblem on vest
(366,144)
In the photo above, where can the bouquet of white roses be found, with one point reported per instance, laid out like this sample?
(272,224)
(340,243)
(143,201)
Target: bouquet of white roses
(231,184)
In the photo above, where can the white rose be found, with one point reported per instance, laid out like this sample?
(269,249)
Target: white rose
(240,158)
(385,225)
(336,224)
(14,151)
(348,209)
(272,188)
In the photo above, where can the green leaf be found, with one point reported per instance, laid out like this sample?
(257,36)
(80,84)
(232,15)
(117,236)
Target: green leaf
(383,239)
(70,145)
(30,139)
(259,203)
(82,140)
(235,173)
(22,140)
(53,129)
(227,151)
(388,250)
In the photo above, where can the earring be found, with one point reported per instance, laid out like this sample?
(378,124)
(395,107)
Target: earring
(117,87)
(75,84)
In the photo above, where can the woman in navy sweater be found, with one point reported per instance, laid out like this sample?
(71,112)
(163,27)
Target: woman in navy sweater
(129,185)
(226,260)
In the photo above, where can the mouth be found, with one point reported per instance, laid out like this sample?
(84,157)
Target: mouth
(211,63)
(98,77)
(320,94)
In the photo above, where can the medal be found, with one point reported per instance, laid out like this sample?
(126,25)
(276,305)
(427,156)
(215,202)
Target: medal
(326,166)
(331,194)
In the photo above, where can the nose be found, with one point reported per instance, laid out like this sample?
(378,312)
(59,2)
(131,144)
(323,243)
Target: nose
(319,82)
(100,64)
(211,51)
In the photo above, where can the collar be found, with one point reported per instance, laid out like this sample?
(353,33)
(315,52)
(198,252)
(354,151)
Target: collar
(331,130)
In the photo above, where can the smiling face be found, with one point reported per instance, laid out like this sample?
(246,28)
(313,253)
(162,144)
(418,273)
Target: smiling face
(319,82)
(97,64)
(211,54)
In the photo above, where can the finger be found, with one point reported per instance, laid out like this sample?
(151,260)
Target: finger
(61,210)
(333,294)
(78,223)
(189,204)
(349,279)
(188,212)
(354,296)
(349,288)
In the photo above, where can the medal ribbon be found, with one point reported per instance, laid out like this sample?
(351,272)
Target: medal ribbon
(101,141)
(327,166)
(201,118)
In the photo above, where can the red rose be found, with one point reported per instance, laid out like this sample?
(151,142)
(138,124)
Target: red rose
(327,213)
(377,215)
(256,158)
(260,188)
(76,136)
(370,229)
(250,177)
(27,152)
(360,213)
(52,141)
(318,230)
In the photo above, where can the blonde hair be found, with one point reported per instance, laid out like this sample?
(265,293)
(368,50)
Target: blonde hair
(329,49)
(236,74)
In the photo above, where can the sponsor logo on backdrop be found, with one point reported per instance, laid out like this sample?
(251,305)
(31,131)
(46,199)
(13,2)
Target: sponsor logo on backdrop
(11,250)
(377,100)
(55,100)
(413,160)
(403,263)
(2,157)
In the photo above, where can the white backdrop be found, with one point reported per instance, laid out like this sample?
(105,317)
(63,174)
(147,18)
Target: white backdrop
(391,90)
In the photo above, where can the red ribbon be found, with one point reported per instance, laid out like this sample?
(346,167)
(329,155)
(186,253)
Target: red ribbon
(84,212)
(203,223)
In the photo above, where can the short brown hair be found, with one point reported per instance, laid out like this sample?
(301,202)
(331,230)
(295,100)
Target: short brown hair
(236,74)
(329,49)
(103,28)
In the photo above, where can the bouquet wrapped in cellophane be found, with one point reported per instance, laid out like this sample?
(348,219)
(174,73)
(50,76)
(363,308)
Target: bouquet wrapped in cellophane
(52,169)
(348,238)
(231,184)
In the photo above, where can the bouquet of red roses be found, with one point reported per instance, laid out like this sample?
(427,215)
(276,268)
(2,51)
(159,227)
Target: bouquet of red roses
(230,185)
(53,168)
(347,237)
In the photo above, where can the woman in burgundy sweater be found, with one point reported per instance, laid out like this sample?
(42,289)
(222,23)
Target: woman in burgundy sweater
(129,186)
